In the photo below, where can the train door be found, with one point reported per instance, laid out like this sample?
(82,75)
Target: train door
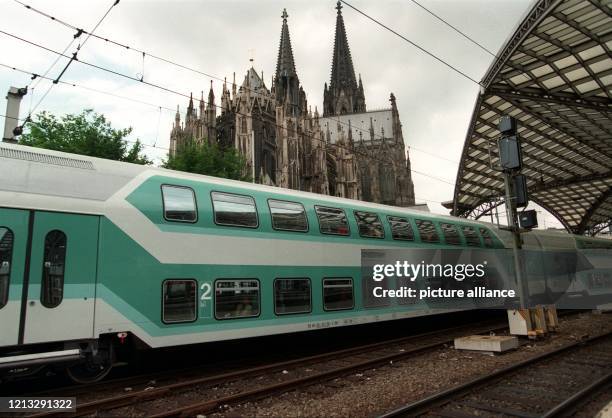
(62,278)
(13,239)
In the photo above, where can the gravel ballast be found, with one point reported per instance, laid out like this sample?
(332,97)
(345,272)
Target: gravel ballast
(379,390)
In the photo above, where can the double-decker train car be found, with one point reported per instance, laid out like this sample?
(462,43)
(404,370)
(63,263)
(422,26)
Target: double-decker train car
(98,254)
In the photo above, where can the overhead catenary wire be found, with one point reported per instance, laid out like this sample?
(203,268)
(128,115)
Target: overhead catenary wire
(71,59)
(378,22)
(455,29)
(460,32)
(73,84)
(89,34)
(185,67)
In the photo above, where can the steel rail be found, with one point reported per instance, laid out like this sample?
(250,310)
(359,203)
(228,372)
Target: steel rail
(146,395)
(448,395)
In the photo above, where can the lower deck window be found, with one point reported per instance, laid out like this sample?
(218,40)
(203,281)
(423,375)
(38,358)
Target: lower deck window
(236,298)
(337,294)
(179,298)
(291,296)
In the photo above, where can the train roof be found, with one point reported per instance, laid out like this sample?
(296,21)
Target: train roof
(39,171)
(33,170)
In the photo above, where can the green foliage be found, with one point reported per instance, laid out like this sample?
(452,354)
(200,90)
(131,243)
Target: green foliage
(87,134)
(202,158)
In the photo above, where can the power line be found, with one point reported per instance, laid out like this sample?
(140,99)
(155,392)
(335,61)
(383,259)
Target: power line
(75,53)
(72,84)
(454,28)
(411,43)
(179,65)
(169,90)
(74,57)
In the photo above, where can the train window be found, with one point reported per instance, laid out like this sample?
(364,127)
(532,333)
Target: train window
(369,225)
(451,235)
(236,298)
(180,301)
(332,221)
(337,294)
(234,210)
(486,237)
(6,254)
(179,203)
(291,296)
(471,237)
(54,267)
(400,228)
(427,231)
(288,216)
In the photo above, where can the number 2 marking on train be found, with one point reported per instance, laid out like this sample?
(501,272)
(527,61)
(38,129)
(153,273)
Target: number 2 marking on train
(206,290)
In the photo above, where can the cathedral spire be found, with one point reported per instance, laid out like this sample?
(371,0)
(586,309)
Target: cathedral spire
(286,83)
(345,94)
(285,65)
(211,95)
(343,73)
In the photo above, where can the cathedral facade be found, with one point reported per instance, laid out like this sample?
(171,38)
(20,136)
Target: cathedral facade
(346,151)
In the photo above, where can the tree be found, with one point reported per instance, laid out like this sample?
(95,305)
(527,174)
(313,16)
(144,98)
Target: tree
(202,158)
(87,134)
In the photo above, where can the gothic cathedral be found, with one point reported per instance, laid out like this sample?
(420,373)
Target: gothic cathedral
(346,152)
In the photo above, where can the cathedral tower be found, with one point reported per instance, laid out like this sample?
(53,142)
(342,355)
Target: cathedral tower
(290,105)
(286,83)
(344,94)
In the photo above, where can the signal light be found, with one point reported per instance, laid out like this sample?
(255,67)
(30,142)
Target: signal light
(521,198)
(528,219)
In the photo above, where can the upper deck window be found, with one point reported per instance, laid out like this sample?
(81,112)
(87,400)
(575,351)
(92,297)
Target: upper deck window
(471,237)
(486,237)
(332,221)
(288,216)
(179,203)
(401,228)
(369,225)
(451,235)
(234,210)
(427,231)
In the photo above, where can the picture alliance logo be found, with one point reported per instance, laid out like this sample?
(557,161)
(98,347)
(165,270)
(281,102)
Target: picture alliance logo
(412,271)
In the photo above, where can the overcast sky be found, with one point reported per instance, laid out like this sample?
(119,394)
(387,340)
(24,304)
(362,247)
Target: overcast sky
(220,37)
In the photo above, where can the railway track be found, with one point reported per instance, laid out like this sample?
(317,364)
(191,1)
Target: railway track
(552,384)
(269,379)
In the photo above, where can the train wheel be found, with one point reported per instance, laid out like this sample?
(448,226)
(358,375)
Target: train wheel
(93,369)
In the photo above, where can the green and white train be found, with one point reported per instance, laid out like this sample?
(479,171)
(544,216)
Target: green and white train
(97,254)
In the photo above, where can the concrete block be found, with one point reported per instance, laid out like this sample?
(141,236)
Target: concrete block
(487,343)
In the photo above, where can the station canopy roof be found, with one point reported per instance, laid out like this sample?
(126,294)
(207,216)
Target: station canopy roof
(554,75)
